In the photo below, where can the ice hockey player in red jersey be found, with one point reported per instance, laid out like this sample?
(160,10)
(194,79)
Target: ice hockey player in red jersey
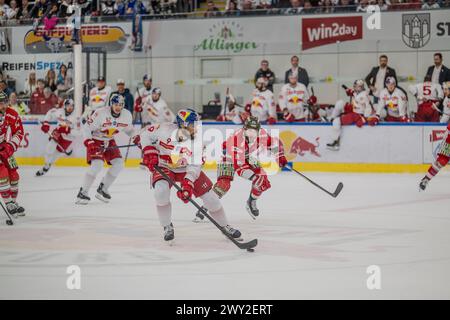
(241,153)
(178,150)
(62,136)
(11,135)
(443,156)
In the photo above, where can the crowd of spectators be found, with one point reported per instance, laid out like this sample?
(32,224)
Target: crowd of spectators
(29,10)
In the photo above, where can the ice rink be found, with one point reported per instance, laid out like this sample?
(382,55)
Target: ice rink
(310,245)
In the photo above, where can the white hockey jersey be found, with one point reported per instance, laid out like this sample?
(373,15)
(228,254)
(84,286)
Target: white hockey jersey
(294,99)
(156,112)
(143,93)
(361,103)
(101,125)
(262,105)
(426,91)
(99,97)
(176,152)
(445,118)
(395,103)
(62,120)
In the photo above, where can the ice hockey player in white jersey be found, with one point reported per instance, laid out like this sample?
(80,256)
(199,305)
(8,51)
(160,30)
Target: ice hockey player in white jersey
(99,132)
(60,140)
(155,109)
(262,103)
(178,151)
(99,95)
(428,96)
(392,103)
(293,100)
(445,118)
(143,93)
(357,111)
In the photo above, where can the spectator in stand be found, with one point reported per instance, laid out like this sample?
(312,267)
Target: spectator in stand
(295,8)
(3,6)
(64,11)
(120,7)
(376,79)
(17,105)
(382,5)
(4,87)
(265,72)
(232,9)
(445,4)
(247,8)
(212,10)
(362,7)
(25,9)
(42,101)
(326,6)
(308,8)
(86,7)
(30,84)
(14,11)
(438,73)
(37,95)
(64,80)
(430,4)
(108,8)
(40,9)
(302,74)
(50,80)
(345,6)
(135,7)
(125,92)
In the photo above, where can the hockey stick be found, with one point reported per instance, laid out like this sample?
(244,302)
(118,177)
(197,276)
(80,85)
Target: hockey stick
(120,147)
(338,190)
(247,245)
(9,222)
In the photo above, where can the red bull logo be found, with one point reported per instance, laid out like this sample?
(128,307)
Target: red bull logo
(297,146)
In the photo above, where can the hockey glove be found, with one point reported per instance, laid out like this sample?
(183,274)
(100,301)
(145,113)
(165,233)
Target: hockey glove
(187,188)
(64,129)
(349,92)
(91,146)
(137,105)
(312,100)
(137,141)
(6,150)
(222,186)
(287,116)
(150,157)
(373,120)
(282,161)
(45,127)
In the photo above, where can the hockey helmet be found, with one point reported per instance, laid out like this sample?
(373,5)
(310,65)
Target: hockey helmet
(186,117)
(252,123)
(156,91)
(358,85)
(67,104)
(117,99)
(390,80)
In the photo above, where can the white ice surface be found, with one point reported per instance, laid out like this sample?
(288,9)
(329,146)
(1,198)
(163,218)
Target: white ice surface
(310,245)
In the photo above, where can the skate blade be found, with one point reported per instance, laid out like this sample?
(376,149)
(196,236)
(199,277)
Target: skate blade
(21,214)
(198,220)
(99,197)
(333,148)
(250,213)
(170,243)
(82,202)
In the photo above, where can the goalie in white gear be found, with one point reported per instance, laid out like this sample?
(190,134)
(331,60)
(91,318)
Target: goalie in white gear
(428,96)
(99,132)
(178,151)
(60,140)
(155,109)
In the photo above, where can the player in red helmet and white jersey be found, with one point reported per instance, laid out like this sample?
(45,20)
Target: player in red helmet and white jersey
(443,156)
(62,136)
(262,103)
(293,99)
(99,133)
(178,150)
(11,135)
(428,96)
(357,111)
(155,109)
(445,118)
(392,103)
(241,155)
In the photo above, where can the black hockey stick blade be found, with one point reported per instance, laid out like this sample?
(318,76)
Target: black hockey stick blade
(245,245)
(338,190)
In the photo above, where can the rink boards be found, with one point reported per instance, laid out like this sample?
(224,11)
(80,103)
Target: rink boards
(384,148)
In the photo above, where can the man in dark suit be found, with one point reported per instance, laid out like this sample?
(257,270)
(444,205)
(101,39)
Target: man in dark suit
(377,77)
(302,74)
(438,73)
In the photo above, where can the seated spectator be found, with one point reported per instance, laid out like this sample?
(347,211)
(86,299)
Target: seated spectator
(30,84)
(3,16)
(19,106)
(40,9)
(430,4)
(295,8)
(382,5)
(445,4)
(25,9)
(42,101)
(326,6)
(362,7)
(308,8)
(3,6)
(14,11)
(247,8)
(125,92)
(120,8)
(50,80)
(4,87)
(232,9)
(212,10)
(135,7)
(108,8)
(64,10)
(51,19)
(64,80)
(265,72)
(345,6)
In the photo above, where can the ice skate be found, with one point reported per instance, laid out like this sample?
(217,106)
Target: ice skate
(102,195)
(251,207)
(169,234)
(235,233)
(334,146)
(11,207)
(42,171)
(20,210)
(423,184)
(82,197)
(199,217)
